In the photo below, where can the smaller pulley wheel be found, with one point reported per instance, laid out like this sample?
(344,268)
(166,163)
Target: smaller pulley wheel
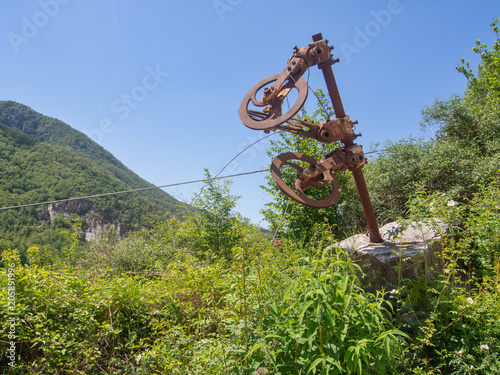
(258,120)
(297,193)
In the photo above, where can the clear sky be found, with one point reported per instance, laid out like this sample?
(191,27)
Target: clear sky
(159,83)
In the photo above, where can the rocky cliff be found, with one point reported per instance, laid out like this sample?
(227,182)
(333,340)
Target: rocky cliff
(93,222)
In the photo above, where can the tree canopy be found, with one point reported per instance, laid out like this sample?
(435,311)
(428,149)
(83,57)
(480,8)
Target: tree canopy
(461,158)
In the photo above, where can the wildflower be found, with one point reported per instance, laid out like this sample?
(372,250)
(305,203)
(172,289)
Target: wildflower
(484,347)
(452,203)
(460,352)
(471,367)
(152,354)
(138,358)
(470,300)
(394,291)
(277,242)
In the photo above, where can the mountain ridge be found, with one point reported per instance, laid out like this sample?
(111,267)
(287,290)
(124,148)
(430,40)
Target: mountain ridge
(55,132)
(43,159)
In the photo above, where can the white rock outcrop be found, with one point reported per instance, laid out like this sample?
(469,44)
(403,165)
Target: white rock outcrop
(94,222)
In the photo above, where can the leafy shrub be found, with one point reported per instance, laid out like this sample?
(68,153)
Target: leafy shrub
(458,331)
(460,334)
(215,222)
(326,324)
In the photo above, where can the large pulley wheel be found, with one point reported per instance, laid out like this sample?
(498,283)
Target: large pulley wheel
(324,180)
(259,119)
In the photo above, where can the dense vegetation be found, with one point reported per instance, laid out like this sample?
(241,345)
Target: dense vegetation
(211,294)
(46,160)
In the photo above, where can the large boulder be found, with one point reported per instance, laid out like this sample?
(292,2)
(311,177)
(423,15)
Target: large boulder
(409,250)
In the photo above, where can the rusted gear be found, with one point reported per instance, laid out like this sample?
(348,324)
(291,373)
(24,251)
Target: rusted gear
(271,116)
(311,176)
(273,95)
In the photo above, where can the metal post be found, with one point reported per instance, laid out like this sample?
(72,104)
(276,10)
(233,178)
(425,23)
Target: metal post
(359,179)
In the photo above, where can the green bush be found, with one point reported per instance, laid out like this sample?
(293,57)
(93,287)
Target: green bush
(457,329)
(326,324)
(268,307)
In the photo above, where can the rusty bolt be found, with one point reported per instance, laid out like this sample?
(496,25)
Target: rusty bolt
(310,171)
(267,93)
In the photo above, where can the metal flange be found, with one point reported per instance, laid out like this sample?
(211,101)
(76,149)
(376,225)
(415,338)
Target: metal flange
(321,180)
(270,119)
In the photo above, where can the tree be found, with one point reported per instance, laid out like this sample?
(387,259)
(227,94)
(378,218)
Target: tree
(483,89)
(461,158)
(472,120)
(293,220)
(216,221)
(411,165)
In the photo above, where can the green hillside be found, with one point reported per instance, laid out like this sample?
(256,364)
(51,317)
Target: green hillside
(43,159)
(55,132)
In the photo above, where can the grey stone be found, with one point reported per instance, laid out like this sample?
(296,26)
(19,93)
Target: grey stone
(408,250)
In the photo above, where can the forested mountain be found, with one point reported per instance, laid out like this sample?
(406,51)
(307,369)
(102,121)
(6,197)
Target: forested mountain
(44,159)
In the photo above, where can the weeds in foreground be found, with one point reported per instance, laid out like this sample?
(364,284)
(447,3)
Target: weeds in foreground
(275,310)
(154,303)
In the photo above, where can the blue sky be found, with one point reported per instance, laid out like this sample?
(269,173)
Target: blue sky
(159,83)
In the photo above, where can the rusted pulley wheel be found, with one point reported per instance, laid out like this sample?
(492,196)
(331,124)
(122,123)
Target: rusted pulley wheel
(323,180)
(258,119)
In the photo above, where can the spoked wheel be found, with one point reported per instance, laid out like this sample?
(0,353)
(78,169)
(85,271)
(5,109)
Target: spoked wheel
(259,117)
(326,180)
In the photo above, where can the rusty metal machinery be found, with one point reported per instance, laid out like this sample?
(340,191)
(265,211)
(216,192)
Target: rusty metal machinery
(273,96)
(266,114)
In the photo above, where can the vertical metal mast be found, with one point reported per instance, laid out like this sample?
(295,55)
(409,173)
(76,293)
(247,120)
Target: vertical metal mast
(331,84)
